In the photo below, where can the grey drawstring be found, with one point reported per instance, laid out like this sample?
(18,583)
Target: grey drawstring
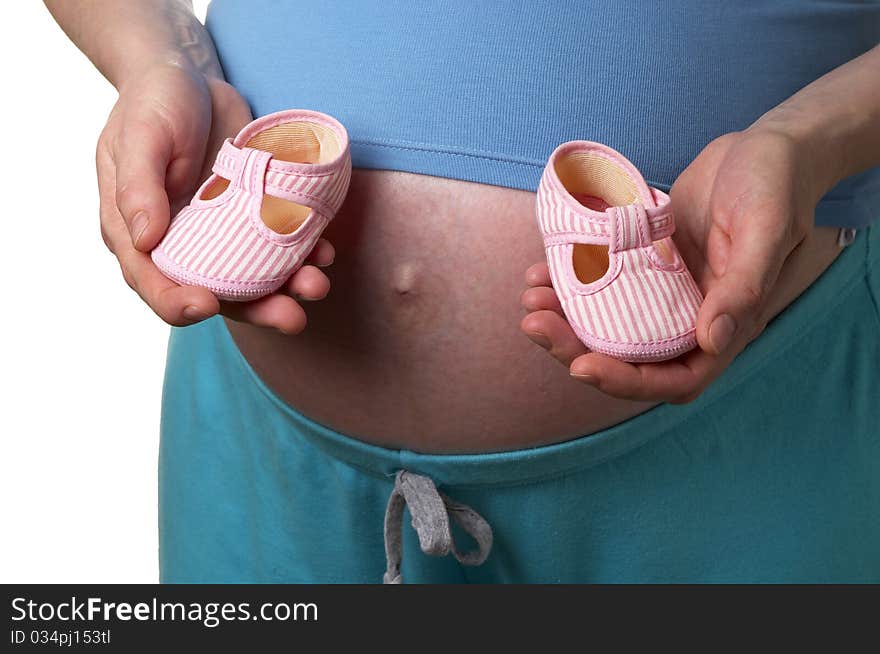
(430,511)
(846,236)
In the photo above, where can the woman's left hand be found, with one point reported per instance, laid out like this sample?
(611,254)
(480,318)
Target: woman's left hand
(744,225)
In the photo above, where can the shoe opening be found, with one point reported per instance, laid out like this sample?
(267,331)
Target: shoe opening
(597,183)
(296,142)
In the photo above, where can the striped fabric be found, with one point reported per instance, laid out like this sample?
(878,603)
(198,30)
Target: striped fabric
(222,244)
(323,191)
(644,308)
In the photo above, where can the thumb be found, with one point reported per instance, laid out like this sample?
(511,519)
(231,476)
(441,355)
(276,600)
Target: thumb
(141,155)
(735,301)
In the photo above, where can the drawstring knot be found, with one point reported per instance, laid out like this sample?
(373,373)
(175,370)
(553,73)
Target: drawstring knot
(430,510)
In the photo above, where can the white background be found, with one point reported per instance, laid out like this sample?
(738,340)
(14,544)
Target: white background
(82,357)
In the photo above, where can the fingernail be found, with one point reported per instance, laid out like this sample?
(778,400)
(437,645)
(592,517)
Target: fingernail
(586,378)
(721,332)
(541,340)
(194,313)
(138,225)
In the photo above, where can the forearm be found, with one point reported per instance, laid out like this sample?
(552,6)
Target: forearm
(836,118)
(122,38)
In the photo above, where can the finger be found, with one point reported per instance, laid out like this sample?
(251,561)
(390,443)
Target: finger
(175,304)
(678,380)
(182,177)
(550,330)
(111,222)
(540,298)
(307,283)
(141,154)
(276,311)
(736,301)
(538,275)
(323,254)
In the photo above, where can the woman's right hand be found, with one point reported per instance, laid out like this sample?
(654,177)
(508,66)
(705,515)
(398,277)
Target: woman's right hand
(158,144)
(744,213)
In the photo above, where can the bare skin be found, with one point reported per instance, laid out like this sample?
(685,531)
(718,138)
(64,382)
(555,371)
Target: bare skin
(419,344)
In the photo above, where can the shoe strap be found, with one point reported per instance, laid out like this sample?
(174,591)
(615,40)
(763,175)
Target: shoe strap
(321,187)
(621,228)
(251,171)
(563,220)
(632,226)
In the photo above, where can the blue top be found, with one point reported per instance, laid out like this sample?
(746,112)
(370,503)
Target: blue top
(483,91)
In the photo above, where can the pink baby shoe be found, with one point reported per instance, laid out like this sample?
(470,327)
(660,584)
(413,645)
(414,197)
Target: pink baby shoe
(620,279)
(251,225)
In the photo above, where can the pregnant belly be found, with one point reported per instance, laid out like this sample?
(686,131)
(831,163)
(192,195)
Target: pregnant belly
(418,344)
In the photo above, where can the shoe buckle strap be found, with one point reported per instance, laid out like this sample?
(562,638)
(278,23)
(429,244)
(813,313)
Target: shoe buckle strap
(323,192)
(632,226)
(251,171)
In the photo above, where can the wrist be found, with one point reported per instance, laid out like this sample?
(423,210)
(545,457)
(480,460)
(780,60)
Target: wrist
(181,41)
(816,143)
(139,68)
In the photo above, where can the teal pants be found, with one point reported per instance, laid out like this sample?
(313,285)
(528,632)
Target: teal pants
(772,475)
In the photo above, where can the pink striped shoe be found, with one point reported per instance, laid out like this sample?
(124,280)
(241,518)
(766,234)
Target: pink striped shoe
(251,225)
(620,279)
